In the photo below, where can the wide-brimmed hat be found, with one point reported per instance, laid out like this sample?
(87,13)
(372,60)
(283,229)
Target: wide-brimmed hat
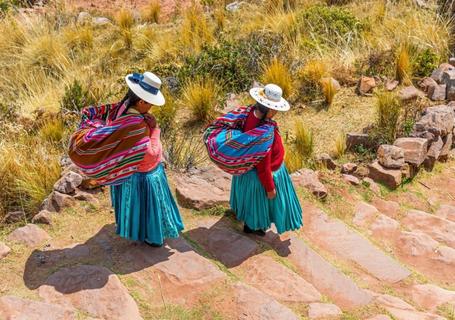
(271,96)
(146,86)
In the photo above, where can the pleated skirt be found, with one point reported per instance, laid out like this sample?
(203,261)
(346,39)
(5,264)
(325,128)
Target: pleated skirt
(145,209)
(251,205)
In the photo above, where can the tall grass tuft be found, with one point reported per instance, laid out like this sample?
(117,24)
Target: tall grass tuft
(293,159)
(201,97)
(278,73)
(183,150)
(195,30)
(52,131)
(151,12)
(388,109)
(329,90)
(403,65)
(340,145)
(125,19)
(303,140)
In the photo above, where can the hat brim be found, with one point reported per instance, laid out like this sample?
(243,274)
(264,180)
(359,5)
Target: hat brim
(155,99)
(257,94)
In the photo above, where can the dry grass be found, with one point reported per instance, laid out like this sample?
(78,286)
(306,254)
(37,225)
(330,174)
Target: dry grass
(403,65)
(151,12)
(124,19)
(329,90)
(293,159)
(303,140)
(278,73)
(195,30)
(388,110)
(340,145)
(201,97)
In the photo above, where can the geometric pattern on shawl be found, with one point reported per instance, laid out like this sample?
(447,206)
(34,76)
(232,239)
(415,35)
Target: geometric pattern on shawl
(234,151)
(108,146)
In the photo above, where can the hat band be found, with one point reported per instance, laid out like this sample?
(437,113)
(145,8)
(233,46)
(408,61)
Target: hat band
(138,79)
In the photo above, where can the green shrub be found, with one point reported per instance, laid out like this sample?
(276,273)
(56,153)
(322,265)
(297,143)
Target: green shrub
(424,62)
(75,98)
(377,63)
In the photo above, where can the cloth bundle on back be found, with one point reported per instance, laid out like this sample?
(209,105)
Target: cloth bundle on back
(109,145)
(234,151)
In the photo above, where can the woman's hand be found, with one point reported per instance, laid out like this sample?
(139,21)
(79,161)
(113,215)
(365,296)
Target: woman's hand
(271,194)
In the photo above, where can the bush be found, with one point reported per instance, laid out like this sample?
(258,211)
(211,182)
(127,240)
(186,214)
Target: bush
(340,146)
(310,77)
(201,97)
(151,13)
(75,98)
(424,62)
(388,109)
(328,89)
(303,140)
(377,63)
(403,65)
(125,19)
(278,73)
(293,159)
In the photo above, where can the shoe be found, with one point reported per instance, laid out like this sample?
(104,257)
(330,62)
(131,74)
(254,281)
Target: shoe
(259,232)
(155,245)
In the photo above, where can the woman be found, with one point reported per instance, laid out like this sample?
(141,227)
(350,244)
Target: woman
(265,194)
(119,145)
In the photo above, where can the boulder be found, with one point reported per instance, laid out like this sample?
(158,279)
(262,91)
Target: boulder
(361,171)
(83,18)
(203,188)
(85,196)
(15,216)
(390,157)
(373,186)
(44,217)
(366,85)
(437,120)
(56,201)
(323,311)
(410,93)
(409,171)
(29,235)
(438,93)
(448,78)
(100,21)
(389,177)
(351,179)
(4,250)
(445,150)
(309,179)
(391,85)
(68,183)
(327,161)
(348,168)
(234,6)
(428,85)
(93,289)
(354,140)
(415,149)
(433,153)
(23,309)
(437,75)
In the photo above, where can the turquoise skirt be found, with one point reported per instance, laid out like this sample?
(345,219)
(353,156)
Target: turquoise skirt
(251,205)
(145,209)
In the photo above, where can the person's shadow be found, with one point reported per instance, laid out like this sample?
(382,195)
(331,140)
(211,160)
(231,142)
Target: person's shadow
(104,249)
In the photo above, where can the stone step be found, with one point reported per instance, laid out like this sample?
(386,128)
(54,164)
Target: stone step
(402,310)
(278,281)
(335,237)
(431,297)
(320,273)
(18,308)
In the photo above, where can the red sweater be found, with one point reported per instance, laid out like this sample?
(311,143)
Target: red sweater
(274,158)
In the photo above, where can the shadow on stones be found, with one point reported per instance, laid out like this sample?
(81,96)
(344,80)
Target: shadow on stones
(231,247)
(105,249)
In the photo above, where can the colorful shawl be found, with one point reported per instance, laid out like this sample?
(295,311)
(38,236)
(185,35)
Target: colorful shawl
(233,150)
(109,145)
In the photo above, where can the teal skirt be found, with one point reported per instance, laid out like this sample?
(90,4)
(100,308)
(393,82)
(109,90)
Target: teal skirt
(145,209)
(251,205)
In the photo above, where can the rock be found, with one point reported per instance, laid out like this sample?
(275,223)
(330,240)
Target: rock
(56,201)
(93,289)
(438,93)
(364,214)
(355,140)
(100,21)
(389,208)
(348,168)
(192,189)
(85,196)
(24,309)
(44,217)
(444,155)
(409,171)
(373,186)
(394,302)
(380,317)
(89,184)
(15,216)
(309,179)
(415,149)
(323,311)
(277,281)
(385,227)
(401,310)
(391,85)
(437,120)
(29,235)
(428,85)
(431,297)
(65,161)
(326,161)
(365,85)
(68,183)
(446,212)
(361,171)
(234,6)
(390,157)
(4,250)
(83,18)
(389,177)
(439,229)
(448,78)
(410,93)
(433,154)
(417,243)
(255,305)
(450,94)
(351,179)
(437,74)
(452,61)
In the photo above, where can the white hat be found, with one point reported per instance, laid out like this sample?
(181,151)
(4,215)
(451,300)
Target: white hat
(147,87)
(271,96)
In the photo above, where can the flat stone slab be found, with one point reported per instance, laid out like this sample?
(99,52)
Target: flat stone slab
(30,235)
(323,311)
(337,238)
(252,304)
(277,281)
(431,297)
(446,212)
(203,188)
(402,310)
(93,289)
(387,207)
(228,246)
(15,308)
(440,229)
(364,214)
(321,274)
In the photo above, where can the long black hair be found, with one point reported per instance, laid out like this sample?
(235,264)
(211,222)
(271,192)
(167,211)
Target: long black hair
(130,99)
(263,109)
